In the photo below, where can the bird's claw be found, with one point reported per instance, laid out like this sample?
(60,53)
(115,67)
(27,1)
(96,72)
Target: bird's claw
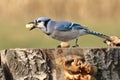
(59,46)
(76,45)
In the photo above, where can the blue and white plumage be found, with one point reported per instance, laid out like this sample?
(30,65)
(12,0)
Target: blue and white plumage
(62,30)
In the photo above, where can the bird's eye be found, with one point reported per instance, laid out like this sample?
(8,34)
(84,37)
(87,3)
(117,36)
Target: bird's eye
(39,21)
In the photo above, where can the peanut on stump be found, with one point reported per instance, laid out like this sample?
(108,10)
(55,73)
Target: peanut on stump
(113,41)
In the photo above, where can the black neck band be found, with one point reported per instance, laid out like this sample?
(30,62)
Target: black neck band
(46,22)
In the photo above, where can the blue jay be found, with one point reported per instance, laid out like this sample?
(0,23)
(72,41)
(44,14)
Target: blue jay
(62,30)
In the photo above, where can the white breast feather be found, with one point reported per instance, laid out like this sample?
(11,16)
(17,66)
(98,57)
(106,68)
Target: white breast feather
(67,35)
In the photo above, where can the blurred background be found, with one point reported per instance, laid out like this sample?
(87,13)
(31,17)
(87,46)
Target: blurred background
(98,15)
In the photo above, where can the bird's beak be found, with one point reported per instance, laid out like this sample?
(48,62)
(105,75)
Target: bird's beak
(31,25)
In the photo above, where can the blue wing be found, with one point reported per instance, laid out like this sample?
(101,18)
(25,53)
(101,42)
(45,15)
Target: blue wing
(67,26)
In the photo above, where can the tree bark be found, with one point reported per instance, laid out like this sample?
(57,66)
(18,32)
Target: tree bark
(60,64)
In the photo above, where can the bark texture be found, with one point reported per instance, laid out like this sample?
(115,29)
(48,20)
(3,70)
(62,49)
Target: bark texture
(60,64)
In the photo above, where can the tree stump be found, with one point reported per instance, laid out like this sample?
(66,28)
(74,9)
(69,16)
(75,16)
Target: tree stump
(60,64)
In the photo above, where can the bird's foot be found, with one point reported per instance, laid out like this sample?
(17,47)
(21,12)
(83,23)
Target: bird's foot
(59,46)
(75,45)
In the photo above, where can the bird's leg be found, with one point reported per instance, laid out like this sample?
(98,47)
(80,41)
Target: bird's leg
(76,43)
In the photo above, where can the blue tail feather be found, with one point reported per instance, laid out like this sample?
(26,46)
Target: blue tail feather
(97,34)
